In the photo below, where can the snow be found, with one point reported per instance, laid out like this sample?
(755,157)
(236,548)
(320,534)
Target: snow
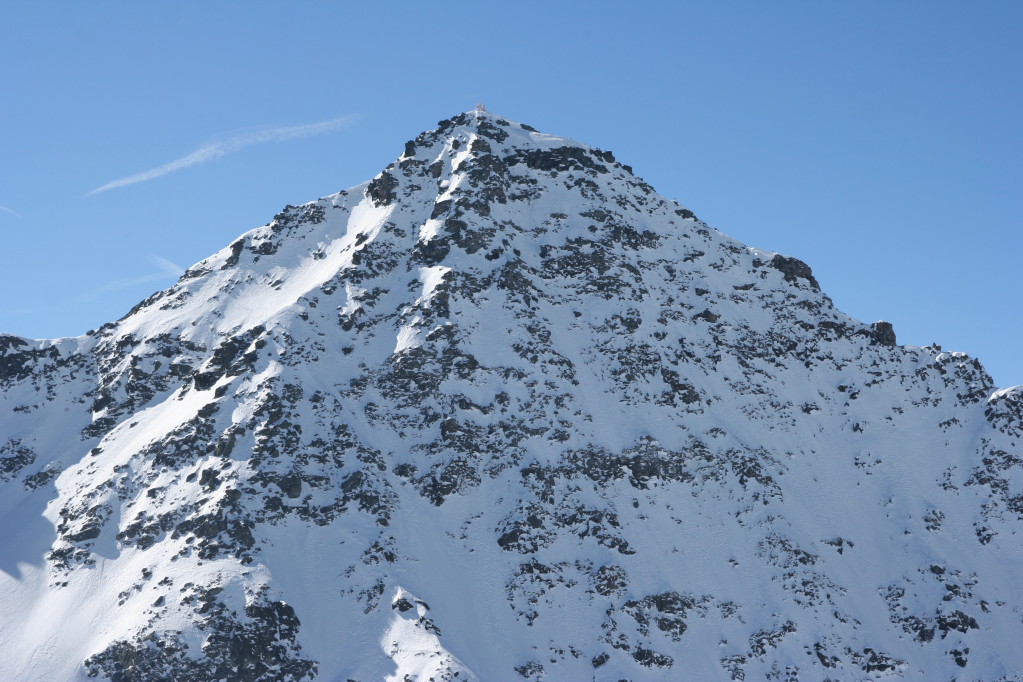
(593,427)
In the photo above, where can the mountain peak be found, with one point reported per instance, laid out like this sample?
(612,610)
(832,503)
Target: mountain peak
(503,412)
(478,132)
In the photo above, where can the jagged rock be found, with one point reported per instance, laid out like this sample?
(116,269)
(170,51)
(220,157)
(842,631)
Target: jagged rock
(381,190)
(883,333)
(794,269)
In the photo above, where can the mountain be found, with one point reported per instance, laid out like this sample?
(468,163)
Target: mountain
(503,413)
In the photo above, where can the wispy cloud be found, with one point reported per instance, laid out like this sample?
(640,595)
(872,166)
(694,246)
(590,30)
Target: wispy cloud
(7,210)
(217,149)
(167,266)
(167,270)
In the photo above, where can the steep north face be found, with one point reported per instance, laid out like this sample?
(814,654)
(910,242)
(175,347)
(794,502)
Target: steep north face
(503,412)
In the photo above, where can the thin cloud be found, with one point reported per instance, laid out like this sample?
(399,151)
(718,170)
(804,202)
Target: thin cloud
(168,269)
(116,284)
(167,266)
(215,150)
(7,210)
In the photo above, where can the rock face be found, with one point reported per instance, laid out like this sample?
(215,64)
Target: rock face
(503,412)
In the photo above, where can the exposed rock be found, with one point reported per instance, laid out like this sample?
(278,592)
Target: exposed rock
(883,333)
(794,269)
(381,189)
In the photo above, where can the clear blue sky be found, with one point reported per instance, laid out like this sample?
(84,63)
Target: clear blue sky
(880,142)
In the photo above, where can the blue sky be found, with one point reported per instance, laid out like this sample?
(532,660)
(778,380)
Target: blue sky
(880,142)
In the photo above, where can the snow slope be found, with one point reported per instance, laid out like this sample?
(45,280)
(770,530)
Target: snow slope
(503,412)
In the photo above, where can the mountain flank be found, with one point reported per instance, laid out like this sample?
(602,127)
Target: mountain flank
(503,412)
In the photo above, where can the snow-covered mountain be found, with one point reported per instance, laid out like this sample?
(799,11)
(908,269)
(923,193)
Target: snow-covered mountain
(503,413)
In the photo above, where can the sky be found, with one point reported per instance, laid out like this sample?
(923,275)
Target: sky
(880,142)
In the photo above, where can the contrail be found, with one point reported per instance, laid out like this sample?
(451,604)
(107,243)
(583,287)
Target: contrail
(166,269)
(167,266)
(215,150)
(13,213)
